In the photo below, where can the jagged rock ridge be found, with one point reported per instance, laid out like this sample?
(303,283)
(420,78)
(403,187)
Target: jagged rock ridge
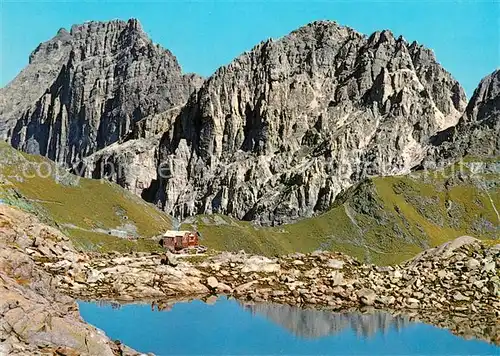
(278,133)
(477,133)
(273,137)
(84,89)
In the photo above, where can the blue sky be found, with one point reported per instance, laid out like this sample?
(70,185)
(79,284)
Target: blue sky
(204,35)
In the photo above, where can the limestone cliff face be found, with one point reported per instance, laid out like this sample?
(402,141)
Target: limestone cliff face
(133,162)
(84,89)
(279,132)
(273,137)
(478,130)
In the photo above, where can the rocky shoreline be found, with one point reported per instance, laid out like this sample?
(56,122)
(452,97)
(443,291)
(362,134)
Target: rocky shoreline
(455,286)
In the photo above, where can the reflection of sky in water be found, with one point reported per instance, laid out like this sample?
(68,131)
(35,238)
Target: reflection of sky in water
(228,327)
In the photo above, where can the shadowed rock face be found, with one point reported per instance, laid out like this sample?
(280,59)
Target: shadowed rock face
(132,163)
(84,90)
(313,323)
(273,137)
(478,130)
(279,132)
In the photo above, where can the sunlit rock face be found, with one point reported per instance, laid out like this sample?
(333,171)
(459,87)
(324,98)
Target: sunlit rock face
(133,162)
(85,89)
(477,133)
(279,132)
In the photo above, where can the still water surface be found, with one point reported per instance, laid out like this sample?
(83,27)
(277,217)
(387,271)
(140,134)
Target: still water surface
(229,327)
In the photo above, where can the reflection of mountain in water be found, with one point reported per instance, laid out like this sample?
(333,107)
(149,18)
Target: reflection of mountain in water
(310,323)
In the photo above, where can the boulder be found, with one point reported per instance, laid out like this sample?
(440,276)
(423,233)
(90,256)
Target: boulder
(366,296)
(212,282)
(260,264)
(169,259)
(459,297)
(94,276)
(336,264)
(472,263)
(223,288)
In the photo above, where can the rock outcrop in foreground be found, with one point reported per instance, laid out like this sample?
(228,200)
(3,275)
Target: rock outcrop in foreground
(85,89)
(456,285)
(35,318)
(278,133)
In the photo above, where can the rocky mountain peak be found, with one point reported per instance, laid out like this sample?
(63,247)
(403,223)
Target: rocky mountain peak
(84,89)
(321,30)
(279,132)
(272,137)
(477,133)
(90,31)
(93,27)
(50,49)
(485,101)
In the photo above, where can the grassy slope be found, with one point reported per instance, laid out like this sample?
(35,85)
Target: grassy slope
(81,207)
(383,220)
